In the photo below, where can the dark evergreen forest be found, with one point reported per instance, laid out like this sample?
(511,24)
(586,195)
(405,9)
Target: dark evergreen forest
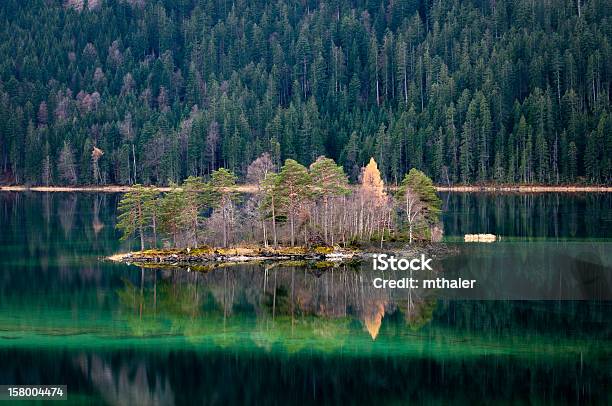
(154,91)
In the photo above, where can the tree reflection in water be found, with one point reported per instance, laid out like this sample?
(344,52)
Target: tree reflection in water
(126,384)
(268,295)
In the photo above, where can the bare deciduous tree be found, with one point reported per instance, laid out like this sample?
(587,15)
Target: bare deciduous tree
(257,172)
(96,154)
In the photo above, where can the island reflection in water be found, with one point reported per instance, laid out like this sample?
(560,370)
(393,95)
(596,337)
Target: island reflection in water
(275,293)
(117,334)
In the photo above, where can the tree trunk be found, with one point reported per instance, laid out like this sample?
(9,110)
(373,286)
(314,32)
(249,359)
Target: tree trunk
(224,226)
(332,223)
(409,212)
(265,236)
(325,220)
(405,85)
(140,231)
(292,229)
(134,159)
(274,224)
(410,227)
(154,231)
(382,233)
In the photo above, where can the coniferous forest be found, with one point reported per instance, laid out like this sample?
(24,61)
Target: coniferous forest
(155,91)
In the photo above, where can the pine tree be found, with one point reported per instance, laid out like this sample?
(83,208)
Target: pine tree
(294,189)
(485,126)
(542,158)
(451,142)
(591,163)
(198,196)
(296,82)
(468,137)
(572,161)
(134,216)
(172,210)
(329,181)
(437,158)
(33,154)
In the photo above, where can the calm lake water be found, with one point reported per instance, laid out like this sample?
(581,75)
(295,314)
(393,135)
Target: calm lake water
(116,334)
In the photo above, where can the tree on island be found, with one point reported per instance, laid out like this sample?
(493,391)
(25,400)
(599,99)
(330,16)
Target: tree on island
(329,181)
(258,173)
(172,213)
(373,202)
(419,200)
(195,203)
(135,214)
(320,203)
(294,184)
(269,187)
(223,197)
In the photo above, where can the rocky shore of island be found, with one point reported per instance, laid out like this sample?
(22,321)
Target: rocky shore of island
(213,257)
(210,255)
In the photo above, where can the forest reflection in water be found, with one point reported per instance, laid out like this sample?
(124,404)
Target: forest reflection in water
(292,295)
(117,334)
(334,296)
(529,215)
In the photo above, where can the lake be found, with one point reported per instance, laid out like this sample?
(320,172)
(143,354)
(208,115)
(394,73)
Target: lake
(539,329)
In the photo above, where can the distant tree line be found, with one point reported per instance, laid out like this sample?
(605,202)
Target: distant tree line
(294,206)
(153,92)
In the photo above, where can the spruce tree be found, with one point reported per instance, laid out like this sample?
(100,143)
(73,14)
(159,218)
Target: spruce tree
(134,214)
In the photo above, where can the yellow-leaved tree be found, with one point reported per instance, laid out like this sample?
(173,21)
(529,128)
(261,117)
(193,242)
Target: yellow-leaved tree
(374,213)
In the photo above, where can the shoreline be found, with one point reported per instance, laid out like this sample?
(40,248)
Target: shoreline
(526,188)
(245,188)
(208,256)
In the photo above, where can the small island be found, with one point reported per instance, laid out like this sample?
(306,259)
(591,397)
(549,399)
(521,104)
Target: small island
(296,214)
(204,258)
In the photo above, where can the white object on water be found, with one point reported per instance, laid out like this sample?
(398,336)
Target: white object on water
(480,238)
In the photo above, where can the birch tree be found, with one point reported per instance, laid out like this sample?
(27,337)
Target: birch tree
(419,201)
(222,183)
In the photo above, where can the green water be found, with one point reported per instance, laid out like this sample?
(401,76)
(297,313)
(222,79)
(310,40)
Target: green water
(116,334)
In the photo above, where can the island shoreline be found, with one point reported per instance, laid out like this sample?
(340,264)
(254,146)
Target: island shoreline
(324,256)
(216,256)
